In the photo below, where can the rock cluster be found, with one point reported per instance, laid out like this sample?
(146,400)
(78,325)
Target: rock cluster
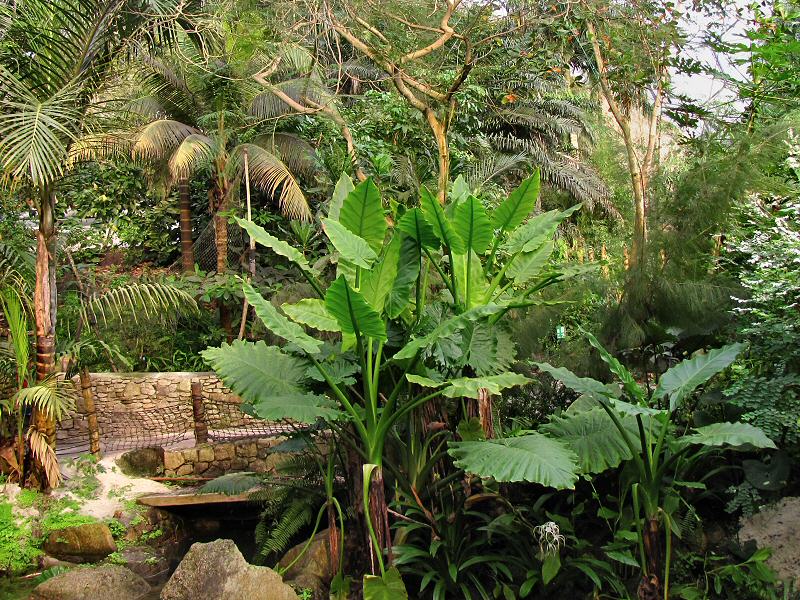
(212,460)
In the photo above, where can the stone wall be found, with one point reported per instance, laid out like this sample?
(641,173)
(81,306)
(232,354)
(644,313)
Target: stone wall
(212,460)
(148,408)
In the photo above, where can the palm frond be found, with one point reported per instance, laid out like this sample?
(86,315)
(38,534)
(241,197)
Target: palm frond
(137,300)
(494,165)
(195,151)
(269,174)
(51,397)
(45,455)
(13,309)
(267,105)
(35,135)
(294,151)
(160,139)
(17,268)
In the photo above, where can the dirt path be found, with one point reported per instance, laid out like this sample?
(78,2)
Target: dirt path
(116,489)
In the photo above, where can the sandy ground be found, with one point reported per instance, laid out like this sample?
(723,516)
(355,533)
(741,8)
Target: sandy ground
(777,527)
(115,489)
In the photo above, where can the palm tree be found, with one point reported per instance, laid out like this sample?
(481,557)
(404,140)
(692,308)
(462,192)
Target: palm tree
(196,121)
(56,61)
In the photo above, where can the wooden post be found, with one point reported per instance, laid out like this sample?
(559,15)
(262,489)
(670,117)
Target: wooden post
(91,412)
(200,427)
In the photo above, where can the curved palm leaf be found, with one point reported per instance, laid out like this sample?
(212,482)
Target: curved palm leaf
(151,299)
(195,151)
(269,174)
(160,139)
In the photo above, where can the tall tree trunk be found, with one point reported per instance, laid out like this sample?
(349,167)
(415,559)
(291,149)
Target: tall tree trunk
(44,299)
(185,202)
(443,149)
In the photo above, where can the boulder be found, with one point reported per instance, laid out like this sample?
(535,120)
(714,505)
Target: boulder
(109,582)
(143,462)
(90,542)
(313,570)
(218,571)
(147,563)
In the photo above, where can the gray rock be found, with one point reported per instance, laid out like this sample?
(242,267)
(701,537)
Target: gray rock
(83,543)
(143,462)
(110,582)
(218,571)
(147,563)
(314,569)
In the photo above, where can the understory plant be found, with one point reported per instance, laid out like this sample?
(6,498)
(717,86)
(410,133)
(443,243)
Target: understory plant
(415,309)
(624,424)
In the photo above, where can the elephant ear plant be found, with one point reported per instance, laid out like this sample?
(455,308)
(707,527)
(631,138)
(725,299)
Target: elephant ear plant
(379,306)
(613,424)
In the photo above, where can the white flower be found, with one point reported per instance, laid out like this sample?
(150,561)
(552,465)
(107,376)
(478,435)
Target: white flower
(549,537)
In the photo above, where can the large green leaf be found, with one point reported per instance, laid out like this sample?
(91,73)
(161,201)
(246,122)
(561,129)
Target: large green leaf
(472,224)
(388,587)
(628,382)
(408,266)
(278,324)
(362,214)
(446,328)
(470,279)
(352,311)
(352,248)
(442,228)
(469,387)
(413,224)
(459,190)
(527,265)
(536,231)
(682,379)
(277,246)
(269,380)
(312,312)
(377,283)
(520,203)
(593,436)
(583,385)
(343,187)
(533,457)
(729,434)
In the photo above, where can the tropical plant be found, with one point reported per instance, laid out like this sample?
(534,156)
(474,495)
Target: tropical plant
(379,302)
(196,120)
(56,62)
(609,425)
(49,397)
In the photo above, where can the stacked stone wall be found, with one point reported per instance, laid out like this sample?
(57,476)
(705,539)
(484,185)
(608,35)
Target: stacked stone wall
(212,460)
(148,407)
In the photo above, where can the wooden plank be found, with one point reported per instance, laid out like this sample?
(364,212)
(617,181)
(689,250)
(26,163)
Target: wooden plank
(169,500)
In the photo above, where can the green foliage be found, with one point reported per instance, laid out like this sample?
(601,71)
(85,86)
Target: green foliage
(17,549)
(764,383)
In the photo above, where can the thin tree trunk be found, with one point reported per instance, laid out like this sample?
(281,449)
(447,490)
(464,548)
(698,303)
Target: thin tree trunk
(91,412)
(443,150)
(44,300)
(651,587)
(379,514)
(187,250)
